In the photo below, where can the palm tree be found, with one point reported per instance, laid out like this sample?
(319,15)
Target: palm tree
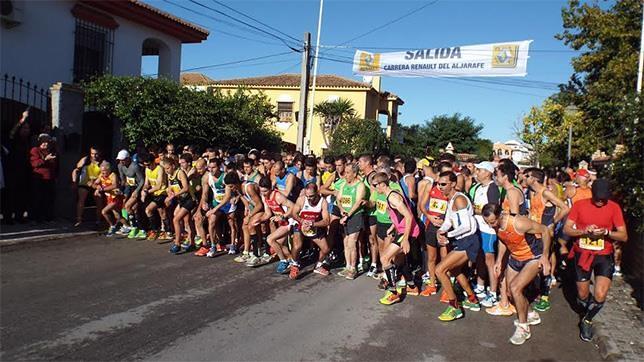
(332,113)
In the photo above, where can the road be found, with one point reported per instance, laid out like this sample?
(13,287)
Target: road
(94,298)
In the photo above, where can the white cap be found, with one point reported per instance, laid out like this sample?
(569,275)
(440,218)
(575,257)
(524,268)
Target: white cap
(486,165)
(123,154)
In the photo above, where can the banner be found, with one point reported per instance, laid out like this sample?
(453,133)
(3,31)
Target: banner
(508,59)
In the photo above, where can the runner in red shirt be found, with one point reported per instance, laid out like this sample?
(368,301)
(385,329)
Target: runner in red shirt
(594,224)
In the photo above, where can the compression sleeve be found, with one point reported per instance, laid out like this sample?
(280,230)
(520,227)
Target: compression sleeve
(464,225)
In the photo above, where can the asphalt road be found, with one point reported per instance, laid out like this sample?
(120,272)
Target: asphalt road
(93,298)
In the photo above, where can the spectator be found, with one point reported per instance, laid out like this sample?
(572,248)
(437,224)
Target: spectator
(44,165)
(16,200)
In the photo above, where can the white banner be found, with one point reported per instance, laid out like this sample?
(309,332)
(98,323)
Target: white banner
(508,59)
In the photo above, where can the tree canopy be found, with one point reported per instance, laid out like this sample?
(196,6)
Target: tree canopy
(156,111)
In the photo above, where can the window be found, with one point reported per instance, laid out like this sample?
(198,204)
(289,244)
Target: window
(285,111)
(93,46)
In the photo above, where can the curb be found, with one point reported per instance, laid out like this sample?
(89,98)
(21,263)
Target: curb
(608,349)
(7,243)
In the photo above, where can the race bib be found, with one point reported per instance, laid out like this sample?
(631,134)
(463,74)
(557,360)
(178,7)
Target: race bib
(175,188)
(309,233)
(478,209)
(589,244)
(381,206)
(346,201)
(438,206)
(153,182)
(130,181)
(219,197)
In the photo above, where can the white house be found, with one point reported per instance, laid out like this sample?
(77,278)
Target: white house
(518,152)
(44,42)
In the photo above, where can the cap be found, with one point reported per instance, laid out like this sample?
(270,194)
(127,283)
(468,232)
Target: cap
(486,165)
(123,154)
(601,189)
(583,172)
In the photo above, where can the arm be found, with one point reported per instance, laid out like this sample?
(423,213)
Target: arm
(325,216)
(499,259)
(204,194)
(326,188)
(228,194)
(423,202)
(114,185)
(526,225)
(35,158)
(360,192)
(185,185)
(563,208)
(290,182)
(514,197)
(294,212)
(399,204)
(466,225)
(411,186)
(257,201)
(460,182)
(140,178)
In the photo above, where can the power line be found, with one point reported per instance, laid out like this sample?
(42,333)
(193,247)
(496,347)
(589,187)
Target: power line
(250,17)
(247,24)
(351,48)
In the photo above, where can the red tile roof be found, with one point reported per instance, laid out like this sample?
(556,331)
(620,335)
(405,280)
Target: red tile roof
(293,80)
(195,79)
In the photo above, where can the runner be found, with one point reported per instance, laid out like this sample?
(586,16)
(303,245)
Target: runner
(253,211)
(365,164)
(154,194)
(513,204)
(180,196)
(484,192)
(311,213)
(309,174)
(107,185)
(222,206)
(131,180)
(250,171)
(195,178)
(594,224)
(397,244)
(83,177)
(333,181)
(350,195)
(527,256)
(546,209)
(459,229)
(277,209)
(284,182)
(408,182)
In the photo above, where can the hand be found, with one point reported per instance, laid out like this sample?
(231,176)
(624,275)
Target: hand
(170,193)
(544,263)
(204,207)
(404,244)
(343,220)
(50,157)
(25,114)
(599,232)
(497,269)
(97,193)
(590,229)
(209,213)
(442,239)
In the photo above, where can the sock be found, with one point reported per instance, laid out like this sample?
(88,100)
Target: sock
(593,308)
(374,265)
(319,264)
(525,326)
(493,294)
(390,273)
(255,243)
(132,219)
(584,302)
(453,303)
(545,285)
(480,286)
(406,271)
(360,261)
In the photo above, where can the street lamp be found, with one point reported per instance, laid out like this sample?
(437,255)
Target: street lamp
(571,109)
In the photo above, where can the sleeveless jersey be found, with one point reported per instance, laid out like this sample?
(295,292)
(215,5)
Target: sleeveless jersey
(437,203)
(218,188)
(348,197)
(581,193)
(520,248)
(311,213)
(112,195)
(152,176)
(398,220)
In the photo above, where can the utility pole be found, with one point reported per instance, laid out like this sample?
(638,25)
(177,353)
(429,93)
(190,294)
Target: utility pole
(570,110)
(641,65)
(304,91)
(309,125)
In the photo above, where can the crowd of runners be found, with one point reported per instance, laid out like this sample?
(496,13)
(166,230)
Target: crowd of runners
(485,235)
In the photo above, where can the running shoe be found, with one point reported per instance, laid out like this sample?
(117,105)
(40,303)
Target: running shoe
(412,290)
(489,301)
(212,252)
(202,251)
(111,231)
(450,314)
(175,249)
(429,290)
(232,250)
(586,330)
(282,267)
(390,298)
(220,247)
(253,261)
(372,270)
(162,235)
(521,334)
(542,305)
(295,271)
(321,270)
(426,278)
(153,235)
(343,273)
(267,258)
(479,290)
(141,235)
(132,233)
(187,246)
(198,241)
(500,310)
(360,268)
(351,274)
(533,319)
(473,306)
(444,297)
(124,230)
(243,258)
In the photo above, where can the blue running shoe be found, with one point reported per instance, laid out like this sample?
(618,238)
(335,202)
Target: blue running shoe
(175,249)
(282,266)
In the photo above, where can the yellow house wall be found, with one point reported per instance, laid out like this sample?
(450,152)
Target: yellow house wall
(289,133)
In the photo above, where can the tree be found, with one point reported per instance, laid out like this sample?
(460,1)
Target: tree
(356,135)
(458,129)
(332,114)
(484,148)
(156,111)
(407,142)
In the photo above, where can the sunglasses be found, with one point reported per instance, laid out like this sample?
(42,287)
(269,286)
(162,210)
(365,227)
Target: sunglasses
(443,184)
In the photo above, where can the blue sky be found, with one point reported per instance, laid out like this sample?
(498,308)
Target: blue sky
(443,23)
